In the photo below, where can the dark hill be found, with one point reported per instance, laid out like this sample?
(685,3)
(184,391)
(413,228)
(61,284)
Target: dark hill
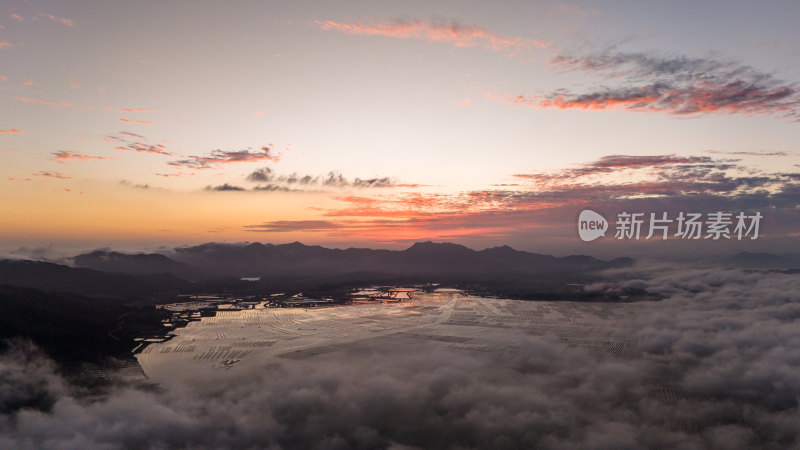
(72,328)
(138,264)
(55,277)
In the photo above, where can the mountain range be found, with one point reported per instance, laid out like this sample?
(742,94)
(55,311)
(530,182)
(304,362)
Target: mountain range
(298,260)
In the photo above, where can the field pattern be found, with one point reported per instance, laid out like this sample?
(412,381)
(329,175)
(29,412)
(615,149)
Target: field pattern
(455,320)
(237,341)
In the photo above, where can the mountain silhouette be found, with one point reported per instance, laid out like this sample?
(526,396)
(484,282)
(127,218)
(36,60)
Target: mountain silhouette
(138,264)
(296,259)
(47,276)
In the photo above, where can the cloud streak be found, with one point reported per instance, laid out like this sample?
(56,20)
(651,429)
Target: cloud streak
(56,19)
(64,157)
(545,203)
(37,100)
(676,85)
(331,180)
(218,157)
(47,174)
(133,142)
(141,110)
(140,122)
(445,31)
(281,226)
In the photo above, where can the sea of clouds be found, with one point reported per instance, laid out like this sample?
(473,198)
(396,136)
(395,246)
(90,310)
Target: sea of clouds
(716,365)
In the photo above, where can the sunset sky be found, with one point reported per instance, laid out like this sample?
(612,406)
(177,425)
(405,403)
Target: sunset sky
(377,124)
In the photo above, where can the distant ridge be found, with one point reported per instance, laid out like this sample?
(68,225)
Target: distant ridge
(47,276)
(138,264)
(297,259)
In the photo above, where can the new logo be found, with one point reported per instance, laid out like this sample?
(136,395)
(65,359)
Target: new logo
(591,225)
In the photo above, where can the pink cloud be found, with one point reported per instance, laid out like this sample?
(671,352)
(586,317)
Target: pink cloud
(37,100)
(17,17)
(61,20)
(677,85)
(5,44)
(551,201)
(11,131)
(142,122)
(142,110)
(436,31)
(63,157)
(140,147)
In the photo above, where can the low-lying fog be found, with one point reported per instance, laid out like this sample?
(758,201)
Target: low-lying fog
(715,363)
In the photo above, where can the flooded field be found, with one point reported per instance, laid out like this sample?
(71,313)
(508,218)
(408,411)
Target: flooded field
(711,364)
(239,340)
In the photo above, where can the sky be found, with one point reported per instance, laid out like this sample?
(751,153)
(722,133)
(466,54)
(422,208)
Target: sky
(137,125)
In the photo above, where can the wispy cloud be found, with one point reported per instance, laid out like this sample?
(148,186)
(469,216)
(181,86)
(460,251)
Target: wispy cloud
(129,134)
(174,175)
(63,157)
(217,157)
(4,44)
(331,180)
(144,148)
(61,20)
(11,131)
(437,30)
(47,174)
(140,122)
(753,153)
(676,85)
(549,200)
(17,17)
(281,226)
(616,176)
(141,110)
(614,164)
(130,183)
(51,103)
(75,85)
(133,142)
(37,100)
